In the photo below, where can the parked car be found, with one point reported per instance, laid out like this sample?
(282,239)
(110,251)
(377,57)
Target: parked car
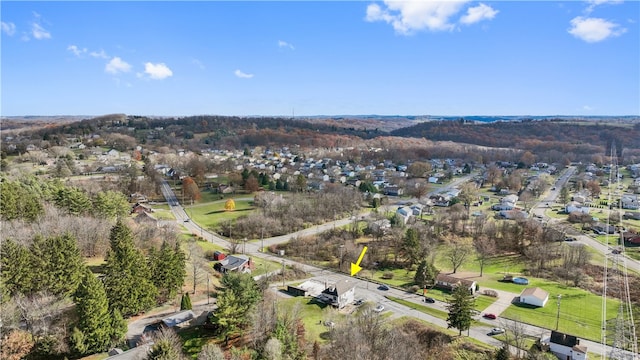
(379,308)
(496,331)
(329,324)
(383,287)
(490,316)
(358,302)
(569,239)
(429,300)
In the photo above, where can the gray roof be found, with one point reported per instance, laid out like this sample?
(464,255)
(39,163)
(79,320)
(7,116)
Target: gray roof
(232,262)
(178,318)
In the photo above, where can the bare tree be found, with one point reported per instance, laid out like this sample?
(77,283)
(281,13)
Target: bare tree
(197,264)
(458,253)
(211,351)
(485,248)
(515,335)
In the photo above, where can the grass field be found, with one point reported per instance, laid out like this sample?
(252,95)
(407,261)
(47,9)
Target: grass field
(211,215)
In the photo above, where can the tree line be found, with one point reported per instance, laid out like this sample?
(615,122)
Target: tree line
(37,279)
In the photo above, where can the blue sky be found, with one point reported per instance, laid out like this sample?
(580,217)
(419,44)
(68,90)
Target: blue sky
(328,57)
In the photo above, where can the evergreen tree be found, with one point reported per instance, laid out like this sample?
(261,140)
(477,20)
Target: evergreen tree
(166,346)
(19,202)
(110,204)
(127,277)
(119,326)
(235,301)
(411,245)
(58,262)
(167,268)
(93,313)
(16,268)
(460,309)
(185,304)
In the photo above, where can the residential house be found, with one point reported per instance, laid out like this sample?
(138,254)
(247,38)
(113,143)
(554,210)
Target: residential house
(603,229)
(178,320)
(240,263)
(393,190)
(631,238)
(630,215)
(380,225)
(139,208)
(511,214)
(566,347)
(534,296)
(575,206)
(629,202)
(340,294)
(449,282)
(405,212)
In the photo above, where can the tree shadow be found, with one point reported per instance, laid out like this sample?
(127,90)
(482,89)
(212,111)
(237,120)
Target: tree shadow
(224,211)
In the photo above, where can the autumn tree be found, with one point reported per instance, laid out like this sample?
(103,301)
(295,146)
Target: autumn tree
(251,184)
(190,189)
(594,188)
(419,169)
(230,205)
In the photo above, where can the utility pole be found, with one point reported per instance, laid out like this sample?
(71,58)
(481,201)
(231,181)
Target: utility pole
(282,272)
(262,240)
(244,246)
(340,264)
(558,315)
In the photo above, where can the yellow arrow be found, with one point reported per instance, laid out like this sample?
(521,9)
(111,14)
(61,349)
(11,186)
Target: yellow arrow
(355,268)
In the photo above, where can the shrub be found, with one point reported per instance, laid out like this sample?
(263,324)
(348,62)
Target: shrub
(387,276)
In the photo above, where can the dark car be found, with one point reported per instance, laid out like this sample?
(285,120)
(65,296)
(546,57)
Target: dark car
(429,300)
(570,239)
(490,316)
(383,287)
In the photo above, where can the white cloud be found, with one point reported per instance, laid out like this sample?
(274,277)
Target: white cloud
(39,32)
(117,65)
(242,75)
(594,30)
(157,71)
(198,63)
(478,13)
(284,44)
(8,28)
(76,50)
(409,16)
(594,3)
(99,54)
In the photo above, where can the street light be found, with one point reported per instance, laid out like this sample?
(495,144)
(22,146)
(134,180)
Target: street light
(558,315)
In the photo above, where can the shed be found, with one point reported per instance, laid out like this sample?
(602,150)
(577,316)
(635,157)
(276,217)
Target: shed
(218,255)
(534,296)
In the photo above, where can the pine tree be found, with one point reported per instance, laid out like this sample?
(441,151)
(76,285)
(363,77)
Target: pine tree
(167,268)
(119,326)
(460,309)
(58,262)
(127,277)
(185,304)
(93,313)
(16,268)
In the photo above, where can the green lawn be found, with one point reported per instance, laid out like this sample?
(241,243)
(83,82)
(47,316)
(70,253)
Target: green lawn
(313,314)
(211,215)
(194,339)
(422,308)
(579,310)
(162,214)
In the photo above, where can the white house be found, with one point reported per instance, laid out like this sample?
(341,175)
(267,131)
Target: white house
(534,296)
(405,213)
(340,294)
(575,206)
(566,347)
(630,202)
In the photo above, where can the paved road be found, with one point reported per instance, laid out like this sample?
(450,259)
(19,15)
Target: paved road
(366,288)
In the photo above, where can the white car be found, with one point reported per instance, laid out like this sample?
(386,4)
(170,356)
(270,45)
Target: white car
(379,308)
(496,331)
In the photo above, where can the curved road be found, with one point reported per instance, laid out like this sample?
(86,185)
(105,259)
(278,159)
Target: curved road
(366,288)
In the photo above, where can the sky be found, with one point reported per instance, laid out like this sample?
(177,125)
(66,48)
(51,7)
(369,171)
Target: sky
(303,58)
